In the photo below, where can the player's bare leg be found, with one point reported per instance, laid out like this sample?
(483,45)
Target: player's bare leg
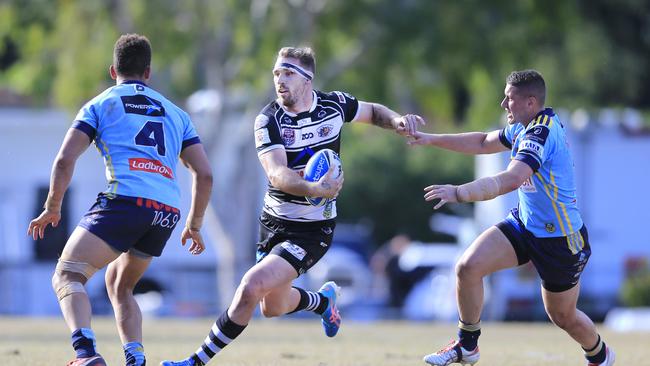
(561,309)
(490,252)
(83,255)
(121,277)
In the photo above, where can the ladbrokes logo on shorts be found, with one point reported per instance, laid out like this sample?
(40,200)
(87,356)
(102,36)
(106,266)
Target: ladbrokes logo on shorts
(152,166)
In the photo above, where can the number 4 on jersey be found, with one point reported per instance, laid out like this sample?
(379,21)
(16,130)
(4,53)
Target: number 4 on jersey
(152,134)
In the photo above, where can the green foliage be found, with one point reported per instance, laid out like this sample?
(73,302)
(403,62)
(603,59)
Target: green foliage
(446,60)
(636,290)
(385,178)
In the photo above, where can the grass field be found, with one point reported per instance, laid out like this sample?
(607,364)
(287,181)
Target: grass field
(282,342)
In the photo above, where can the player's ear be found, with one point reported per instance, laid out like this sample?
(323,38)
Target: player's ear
(147,72)
(112,72)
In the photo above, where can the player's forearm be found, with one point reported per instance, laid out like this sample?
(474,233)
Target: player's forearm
(60,178)
(288,181)
(201,191)
(486,188)
(468,142)
(384,117)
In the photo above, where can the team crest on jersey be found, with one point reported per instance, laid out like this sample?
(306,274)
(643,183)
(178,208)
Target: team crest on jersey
(325,130)
(549,227)
(288,136)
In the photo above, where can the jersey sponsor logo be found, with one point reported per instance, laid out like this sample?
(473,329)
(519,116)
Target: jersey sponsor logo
(322,113)
(307,136)
(294,250)
(532,146)
(288,136)
(325,130)
(287,120)
(261,121)
(262,137)
(528,186)
(341,96)
(142,104)
(151,166)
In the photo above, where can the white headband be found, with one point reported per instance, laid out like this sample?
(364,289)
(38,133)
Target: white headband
(289,66)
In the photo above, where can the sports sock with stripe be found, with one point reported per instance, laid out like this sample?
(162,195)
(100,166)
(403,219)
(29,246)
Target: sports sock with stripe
(222,333)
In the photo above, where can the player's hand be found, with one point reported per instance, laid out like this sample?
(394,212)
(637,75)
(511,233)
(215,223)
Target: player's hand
(419,138)
(197,245)
(408,124)
(38,225)
(328,186)
(445,193)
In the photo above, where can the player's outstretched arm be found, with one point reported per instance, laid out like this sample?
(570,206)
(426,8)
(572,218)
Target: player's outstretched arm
(74,144)
(283,178)
(481,189)
(467,142)
(196,160)
(382,116)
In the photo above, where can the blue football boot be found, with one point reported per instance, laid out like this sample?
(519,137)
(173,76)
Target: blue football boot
(330,318)
(186,362)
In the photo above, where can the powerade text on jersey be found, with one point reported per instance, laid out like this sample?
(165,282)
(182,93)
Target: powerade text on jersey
(140,134)
(547,201)
(301,135)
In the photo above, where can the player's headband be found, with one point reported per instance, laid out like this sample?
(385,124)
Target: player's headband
(303,72)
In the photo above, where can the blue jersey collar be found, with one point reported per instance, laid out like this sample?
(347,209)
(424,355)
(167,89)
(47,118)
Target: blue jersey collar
(133,82)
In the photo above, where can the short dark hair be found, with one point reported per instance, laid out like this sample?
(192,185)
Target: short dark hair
(529,82)
(131,55)
(305,55)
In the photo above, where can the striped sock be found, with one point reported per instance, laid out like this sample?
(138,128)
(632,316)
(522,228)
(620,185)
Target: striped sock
(311,301)
(134,354)
(597,353)
(222,333)
(83,342)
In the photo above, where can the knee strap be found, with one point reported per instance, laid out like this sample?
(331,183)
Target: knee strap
(69,289)
(82,268)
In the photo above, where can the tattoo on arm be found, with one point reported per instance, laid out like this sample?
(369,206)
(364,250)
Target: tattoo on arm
(382,116)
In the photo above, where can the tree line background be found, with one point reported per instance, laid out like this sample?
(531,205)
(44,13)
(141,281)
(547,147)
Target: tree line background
(445,60)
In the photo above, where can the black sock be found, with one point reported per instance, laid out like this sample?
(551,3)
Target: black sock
(468,334)
(313,301)
(597,353)
(222,333)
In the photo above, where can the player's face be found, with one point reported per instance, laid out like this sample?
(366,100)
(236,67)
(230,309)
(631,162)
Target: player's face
(518,106)
(290,87)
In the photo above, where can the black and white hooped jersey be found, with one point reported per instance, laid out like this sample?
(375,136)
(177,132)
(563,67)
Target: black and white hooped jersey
(301,135)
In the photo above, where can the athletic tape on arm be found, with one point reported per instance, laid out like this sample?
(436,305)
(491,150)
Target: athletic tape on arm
(482,189)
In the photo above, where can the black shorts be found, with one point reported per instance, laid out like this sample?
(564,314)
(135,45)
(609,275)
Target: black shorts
(131,222)
(302,244)
(558,265)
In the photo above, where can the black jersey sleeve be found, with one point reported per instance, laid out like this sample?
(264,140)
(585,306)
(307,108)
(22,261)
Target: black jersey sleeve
(348,103)
(267,131)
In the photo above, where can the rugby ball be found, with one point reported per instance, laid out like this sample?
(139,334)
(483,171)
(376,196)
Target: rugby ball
(317,167)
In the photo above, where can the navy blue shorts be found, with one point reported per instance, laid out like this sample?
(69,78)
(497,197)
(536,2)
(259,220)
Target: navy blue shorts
(131,222)
(302,244)
(558,260)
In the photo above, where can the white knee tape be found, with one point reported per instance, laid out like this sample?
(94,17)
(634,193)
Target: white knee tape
(69,289)
(82,268)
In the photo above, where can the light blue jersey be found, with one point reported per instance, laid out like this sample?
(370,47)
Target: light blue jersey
(140,134)
(547,201)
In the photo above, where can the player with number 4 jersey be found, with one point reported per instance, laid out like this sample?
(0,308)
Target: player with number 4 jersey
(141,136)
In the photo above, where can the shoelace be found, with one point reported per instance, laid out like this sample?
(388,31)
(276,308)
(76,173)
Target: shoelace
(447,352)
